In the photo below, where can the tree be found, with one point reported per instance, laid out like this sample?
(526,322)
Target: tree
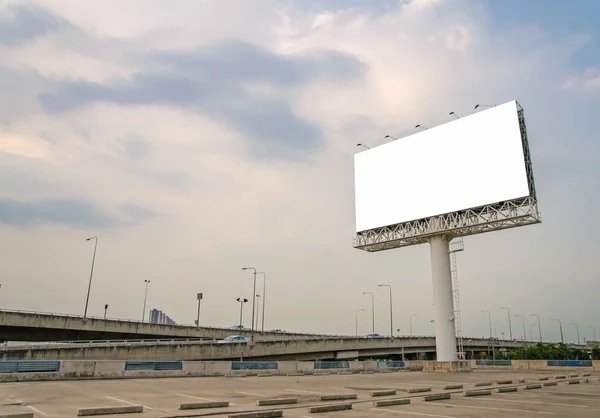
(549,351)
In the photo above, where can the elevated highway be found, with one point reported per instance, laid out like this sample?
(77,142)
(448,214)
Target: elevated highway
(37,326)
(280,349)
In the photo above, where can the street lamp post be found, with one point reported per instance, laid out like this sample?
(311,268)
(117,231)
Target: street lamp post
(539,326)
(91,274)
(262,328)
(509,324)
(577,326)
(199,297)
(562,340)
(105,309)
(490,320)
(410,323)
(524,333)
(391,313)
(241,301)
(257,314)
(253,300)
(356,320)
(145,297)
(594,329)
(372,307)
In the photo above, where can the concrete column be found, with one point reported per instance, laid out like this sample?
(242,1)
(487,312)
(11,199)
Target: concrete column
(443,302)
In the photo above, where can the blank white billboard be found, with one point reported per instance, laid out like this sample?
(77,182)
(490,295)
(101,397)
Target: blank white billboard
(473,161)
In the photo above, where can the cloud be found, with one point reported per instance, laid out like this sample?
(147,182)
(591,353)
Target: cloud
(223,81)
(77,213)
(587,81)
(239,139)
(20,23)
(135,146)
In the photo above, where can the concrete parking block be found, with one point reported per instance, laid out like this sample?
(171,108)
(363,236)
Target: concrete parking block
(560,377)
(108,410)
(451,387)
(342,397)
(391,402)
(257,414)
(586,374)
(418,390)
(478,384)
(330,408)
(17,415)
(383,393)
(504,382)
(544,378)
(534,386)
(277,401)
(437,397)
(203,405)
(573,381)
(550,384)
(508,389)
(478,392)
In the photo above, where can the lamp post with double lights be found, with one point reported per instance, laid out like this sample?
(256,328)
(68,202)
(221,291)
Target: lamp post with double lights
(562,339)
(91,274)
(356,320)
(372,308)
(145,297)
(509,324)
(241,301)
(410,323)
(263,299)
(253,300)
(391,313)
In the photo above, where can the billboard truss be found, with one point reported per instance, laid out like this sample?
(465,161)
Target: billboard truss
(502,215)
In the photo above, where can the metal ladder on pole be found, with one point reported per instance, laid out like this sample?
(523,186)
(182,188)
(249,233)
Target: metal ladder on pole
(456,245)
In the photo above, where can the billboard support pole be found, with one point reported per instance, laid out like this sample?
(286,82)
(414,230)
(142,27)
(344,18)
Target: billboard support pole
(445,335)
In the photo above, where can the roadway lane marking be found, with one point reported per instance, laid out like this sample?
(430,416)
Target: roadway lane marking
(303,391)
(252,394)
(411,413)
(130,403)
(531,402)
(454,405)
(201,399)
(37,411)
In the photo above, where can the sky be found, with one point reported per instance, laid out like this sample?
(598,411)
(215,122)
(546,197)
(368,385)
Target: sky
(197,137)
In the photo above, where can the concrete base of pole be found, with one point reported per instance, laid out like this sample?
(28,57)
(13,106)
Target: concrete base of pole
(447,366)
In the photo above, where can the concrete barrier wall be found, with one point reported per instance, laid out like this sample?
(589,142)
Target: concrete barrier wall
(115,369)
(533,365)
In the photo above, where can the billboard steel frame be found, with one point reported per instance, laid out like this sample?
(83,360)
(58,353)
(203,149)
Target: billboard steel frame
(439,230)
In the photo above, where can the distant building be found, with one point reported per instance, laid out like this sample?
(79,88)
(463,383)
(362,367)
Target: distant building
(158,317)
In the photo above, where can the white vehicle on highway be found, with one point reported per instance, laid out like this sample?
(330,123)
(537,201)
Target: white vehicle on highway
(234,339)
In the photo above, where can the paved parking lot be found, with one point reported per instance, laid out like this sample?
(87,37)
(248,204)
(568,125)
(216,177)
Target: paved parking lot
(161,397)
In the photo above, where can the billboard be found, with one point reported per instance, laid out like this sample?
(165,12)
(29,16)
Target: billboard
(470,162)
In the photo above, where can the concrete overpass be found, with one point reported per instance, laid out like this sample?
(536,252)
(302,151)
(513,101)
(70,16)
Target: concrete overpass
(36,326)
(281,349)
